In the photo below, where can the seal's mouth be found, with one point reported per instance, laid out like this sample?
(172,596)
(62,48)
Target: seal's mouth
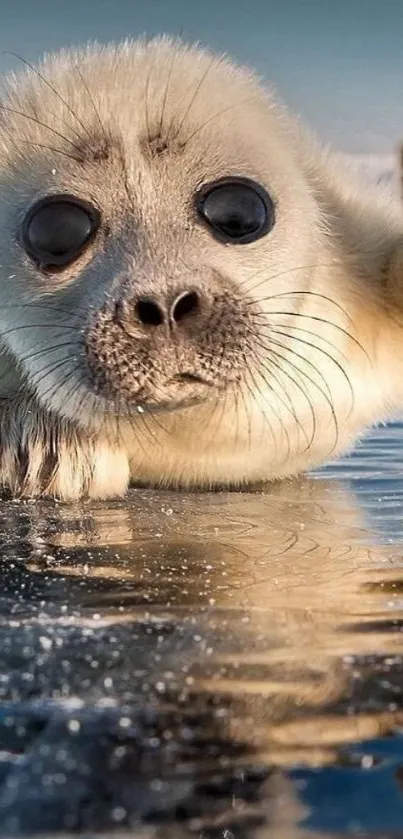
(182,390)
(190,379)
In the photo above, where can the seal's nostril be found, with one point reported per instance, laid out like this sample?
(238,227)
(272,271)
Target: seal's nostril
(185,304)
(150,312)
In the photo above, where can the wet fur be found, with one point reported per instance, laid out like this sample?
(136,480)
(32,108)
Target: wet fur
(306,345)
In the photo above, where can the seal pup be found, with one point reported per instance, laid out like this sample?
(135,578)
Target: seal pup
(192,291)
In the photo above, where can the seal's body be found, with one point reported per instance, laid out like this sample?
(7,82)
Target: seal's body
(192,292)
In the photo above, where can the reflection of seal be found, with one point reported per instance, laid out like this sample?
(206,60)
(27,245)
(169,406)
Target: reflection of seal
(191,291)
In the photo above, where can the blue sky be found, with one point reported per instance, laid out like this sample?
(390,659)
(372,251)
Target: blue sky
(339,64)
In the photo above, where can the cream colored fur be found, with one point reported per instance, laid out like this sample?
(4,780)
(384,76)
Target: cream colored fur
(335,237)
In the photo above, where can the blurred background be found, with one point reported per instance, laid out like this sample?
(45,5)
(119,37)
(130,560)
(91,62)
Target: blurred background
(337,64)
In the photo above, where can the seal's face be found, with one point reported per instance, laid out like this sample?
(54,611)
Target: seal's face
(160,250)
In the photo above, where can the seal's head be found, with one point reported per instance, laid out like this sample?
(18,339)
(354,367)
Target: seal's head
(181,270)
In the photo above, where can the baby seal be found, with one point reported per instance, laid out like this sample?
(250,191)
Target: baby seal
(192,292)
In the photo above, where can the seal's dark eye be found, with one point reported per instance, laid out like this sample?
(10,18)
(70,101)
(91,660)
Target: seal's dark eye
(237,210)
(57,229)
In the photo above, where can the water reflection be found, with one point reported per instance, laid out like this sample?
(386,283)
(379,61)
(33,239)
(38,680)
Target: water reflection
(218,666)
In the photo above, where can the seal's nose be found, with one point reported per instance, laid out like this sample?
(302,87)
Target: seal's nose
(152,311)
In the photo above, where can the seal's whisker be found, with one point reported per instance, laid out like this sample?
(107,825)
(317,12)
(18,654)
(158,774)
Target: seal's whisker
(54,91)
(77,158)
(268,278)
(91,99)
(306,331)
(117,418)
(325,353)
(25,326)
(146,93)
(198,87)
(165,96)
(143,420)
(275,358)
(137,428)
(87,405)
(258,391)
(303,358)
(52,348)
(299,293)
(76,313)
(273,409)
(268,314)
(157,421)
(16,112)
(235,394)
(50,148)
(44,351)
(280,393)
(219,404)
(46,371)
(214,117)
(271,366)
(324,392)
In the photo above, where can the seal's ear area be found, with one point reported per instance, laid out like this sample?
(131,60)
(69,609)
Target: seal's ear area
(364,224)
